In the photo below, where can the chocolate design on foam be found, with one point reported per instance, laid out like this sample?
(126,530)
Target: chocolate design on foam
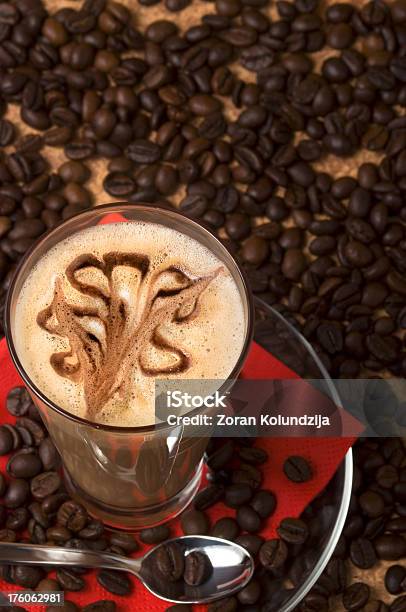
(102,360)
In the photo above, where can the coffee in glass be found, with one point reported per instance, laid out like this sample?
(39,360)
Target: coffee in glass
(96,313)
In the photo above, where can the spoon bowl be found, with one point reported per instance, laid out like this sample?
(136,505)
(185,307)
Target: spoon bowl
(232,569)
(232,566)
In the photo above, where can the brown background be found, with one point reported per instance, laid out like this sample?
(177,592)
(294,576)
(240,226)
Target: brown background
(335,166)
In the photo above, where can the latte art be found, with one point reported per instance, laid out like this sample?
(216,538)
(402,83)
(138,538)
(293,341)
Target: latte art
(110,309)
(107,338)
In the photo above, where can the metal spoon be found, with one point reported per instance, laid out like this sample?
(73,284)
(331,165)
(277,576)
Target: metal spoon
(232,565)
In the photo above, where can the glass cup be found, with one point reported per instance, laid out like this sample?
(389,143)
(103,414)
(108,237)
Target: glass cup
(129,477)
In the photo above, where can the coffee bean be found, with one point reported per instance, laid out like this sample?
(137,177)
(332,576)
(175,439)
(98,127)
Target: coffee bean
(226,528)
(253,455)
(124,540)
(51,503)
(390,547)
(155,535)
(250,542)
(115,582)
(18,401)
(49,455)
(72,515)
(372,504)
(35,428)
(194,522)
(48,585)
(356,596)
(197,568)
(237,495)
(17,519)
(362,553)
(248,519)
(17,493)
(223,605)
(27,576)
(395,579)
(273,554)
(68,580)
(398,604)
(7,535)
(169,561)
(25,463)
(264,503)
(6,441)
(297,469)
(45,484)
(293,531)
(208,496)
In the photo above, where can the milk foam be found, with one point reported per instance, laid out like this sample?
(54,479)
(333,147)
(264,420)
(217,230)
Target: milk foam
(113,307)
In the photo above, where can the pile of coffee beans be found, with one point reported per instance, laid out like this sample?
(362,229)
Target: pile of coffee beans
(34,507)
(239,119)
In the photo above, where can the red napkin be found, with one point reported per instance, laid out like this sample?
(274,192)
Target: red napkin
(325,456)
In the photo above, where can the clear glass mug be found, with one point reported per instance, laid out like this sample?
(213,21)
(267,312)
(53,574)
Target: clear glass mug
(129,477)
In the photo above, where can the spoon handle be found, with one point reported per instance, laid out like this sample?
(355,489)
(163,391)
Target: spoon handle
(36,554)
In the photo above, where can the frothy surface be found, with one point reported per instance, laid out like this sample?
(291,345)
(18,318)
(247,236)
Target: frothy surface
(113,307)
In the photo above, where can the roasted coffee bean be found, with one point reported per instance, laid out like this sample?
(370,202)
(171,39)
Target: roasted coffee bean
(72,515)
(224,605)
(115,582)
(169,561)
(293,531)
(372,504)
(17,519)
(51,503)
(17,493)
(362,553)
(68,580)
(35,428)
(356,596)
(25,463)
(208,496)
(226,528)
(6,441)
(49,455)
(48,585)
(398,604)
(18,401)
(253,455)
(220,457)
(237,495)
(45,484)
(194,522)
(197,568)
(273,554)
(264,503)
(395,579)
(250,542)
(390,547)
(297,469)
(58,534)
(124,540)
(248,519)
(155,535)
(27,576)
